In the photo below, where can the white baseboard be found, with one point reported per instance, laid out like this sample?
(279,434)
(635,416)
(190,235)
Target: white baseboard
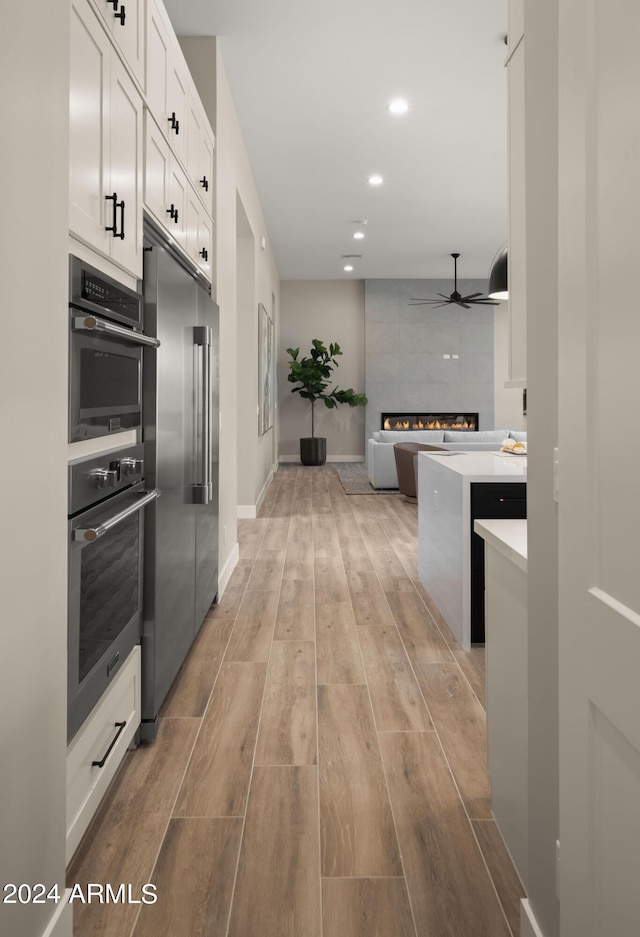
(330,458)
(225,573)
(250,511)
(61,924)
(528,925)
(247,512)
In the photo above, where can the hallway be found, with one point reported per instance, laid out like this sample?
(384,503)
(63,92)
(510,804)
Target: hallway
(320,768)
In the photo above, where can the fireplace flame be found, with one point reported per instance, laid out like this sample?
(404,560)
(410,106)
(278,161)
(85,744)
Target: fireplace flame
(398,423)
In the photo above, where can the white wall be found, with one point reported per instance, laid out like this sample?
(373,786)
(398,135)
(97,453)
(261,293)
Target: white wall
(507,400)
(33,489)
(234,179)
(332,311)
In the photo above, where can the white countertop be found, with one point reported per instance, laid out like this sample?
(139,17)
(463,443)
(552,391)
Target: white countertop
(509,537)
(481,466)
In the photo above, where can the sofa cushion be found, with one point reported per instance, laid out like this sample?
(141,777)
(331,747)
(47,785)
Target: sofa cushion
(518,436)
(487,435)
(431,436)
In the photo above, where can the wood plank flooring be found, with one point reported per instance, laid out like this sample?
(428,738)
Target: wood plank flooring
(320,767)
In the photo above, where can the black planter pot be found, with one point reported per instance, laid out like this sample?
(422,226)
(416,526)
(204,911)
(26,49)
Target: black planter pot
(313,450)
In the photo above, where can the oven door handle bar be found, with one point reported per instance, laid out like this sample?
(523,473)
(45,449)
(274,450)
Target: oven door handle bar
(95,323)
(90,534)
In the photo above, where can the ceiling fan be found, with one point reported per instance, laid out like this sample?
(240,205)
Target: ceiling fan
(465,301)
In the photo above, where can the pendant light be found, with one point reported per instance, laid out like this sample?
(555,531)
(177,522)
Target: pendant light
(498,279)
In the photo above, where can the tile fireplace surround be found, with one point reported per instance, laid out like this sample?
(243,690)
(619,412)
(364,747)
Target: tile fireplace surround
(406,349)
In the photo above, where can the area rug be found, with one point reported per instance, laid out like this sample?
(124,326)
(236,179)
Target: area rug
(355,479)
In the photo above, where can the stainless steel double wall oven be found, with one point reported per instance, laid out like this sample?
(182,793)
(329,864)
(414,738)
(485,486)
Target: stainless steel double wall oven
(107,493)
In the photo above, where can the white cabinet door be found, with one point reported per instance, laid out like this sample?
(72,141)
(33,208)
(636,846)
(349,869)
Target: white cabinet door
(176,220)
(105,137)
(199,233)
(156,172)
(125,22)
(205,168)
(200,145)
(126,168)
(90,54)
(167,79)
(158,54)
(177,109)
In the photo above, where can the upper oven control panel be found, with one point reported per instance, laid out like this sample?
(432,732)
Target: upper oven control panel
(98,476)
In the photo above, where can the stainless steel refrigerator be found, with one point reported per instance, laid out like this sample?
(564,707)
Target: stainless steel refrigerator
(180,415)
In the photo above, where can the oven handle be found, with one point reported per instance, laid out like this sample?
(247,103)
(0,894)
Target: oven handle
(93,533)
(95,323)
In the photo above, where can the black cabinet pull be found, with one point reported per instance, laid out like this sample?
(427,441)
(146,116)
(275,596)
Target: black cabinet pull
(114,4)
(121,235)
(120,727)
(173,213)
(114,227)
(204,253)
(204,182)
(175,124)
(120,16)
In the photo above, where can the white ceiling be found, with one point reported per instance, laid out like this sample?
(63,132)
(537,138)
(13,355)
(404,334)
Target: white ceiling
(311,81)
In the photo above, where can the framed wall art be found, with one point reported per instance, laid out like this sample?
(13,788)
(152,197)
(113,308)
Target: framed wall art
(265,370)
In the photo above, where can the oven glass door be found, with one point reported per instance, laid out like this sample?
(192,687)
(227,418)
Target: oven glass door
(105,389)
(105,596)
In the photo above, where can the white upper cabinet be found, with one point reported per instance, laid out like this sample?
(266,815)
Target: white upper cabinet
(105,143)
(89,127)
(200,147)
(125,22)
(165,190)
(167,79)
(126,153)
(199,233)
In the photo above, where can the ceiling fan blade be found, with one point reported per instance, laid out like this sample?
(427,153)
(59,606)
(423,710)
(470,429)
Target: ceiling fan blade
(447,298)
(466,299)
(485,301)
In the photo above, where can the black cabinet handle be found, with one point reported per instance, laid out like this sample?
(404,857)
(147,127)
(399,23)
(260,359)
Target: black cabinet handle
(120,727)
(204,253)
(120,16)
(175,124)
(204,182)
(114,227)
(173,213)
(121,235)
(114,4)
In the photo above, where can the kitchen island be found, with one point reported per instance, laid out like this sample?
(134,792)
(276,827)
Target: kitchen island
(454,489)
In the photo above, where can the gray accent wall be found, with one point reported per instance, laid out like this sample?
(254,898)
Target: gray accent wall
(404,348)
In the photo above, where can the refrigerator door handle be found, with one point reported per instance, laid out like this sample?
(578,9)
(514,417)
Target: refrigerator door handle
(209,353)
(202,488)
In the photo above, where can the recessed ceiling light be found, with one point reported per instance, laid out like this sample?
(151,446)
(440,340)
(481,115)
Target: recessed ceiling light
(375,179)
(398,106)
(348,268)
(358,235)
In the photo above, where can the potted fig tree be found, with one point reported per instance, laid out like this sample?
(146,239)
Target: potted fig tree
(311,375)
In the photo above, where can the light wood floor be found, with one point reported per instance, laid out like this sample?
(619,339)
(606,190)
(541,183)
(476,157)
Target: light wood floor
(320,765)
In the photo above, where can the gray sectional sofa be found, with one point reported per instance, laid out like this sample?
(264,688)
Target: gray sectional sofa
(381,461)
